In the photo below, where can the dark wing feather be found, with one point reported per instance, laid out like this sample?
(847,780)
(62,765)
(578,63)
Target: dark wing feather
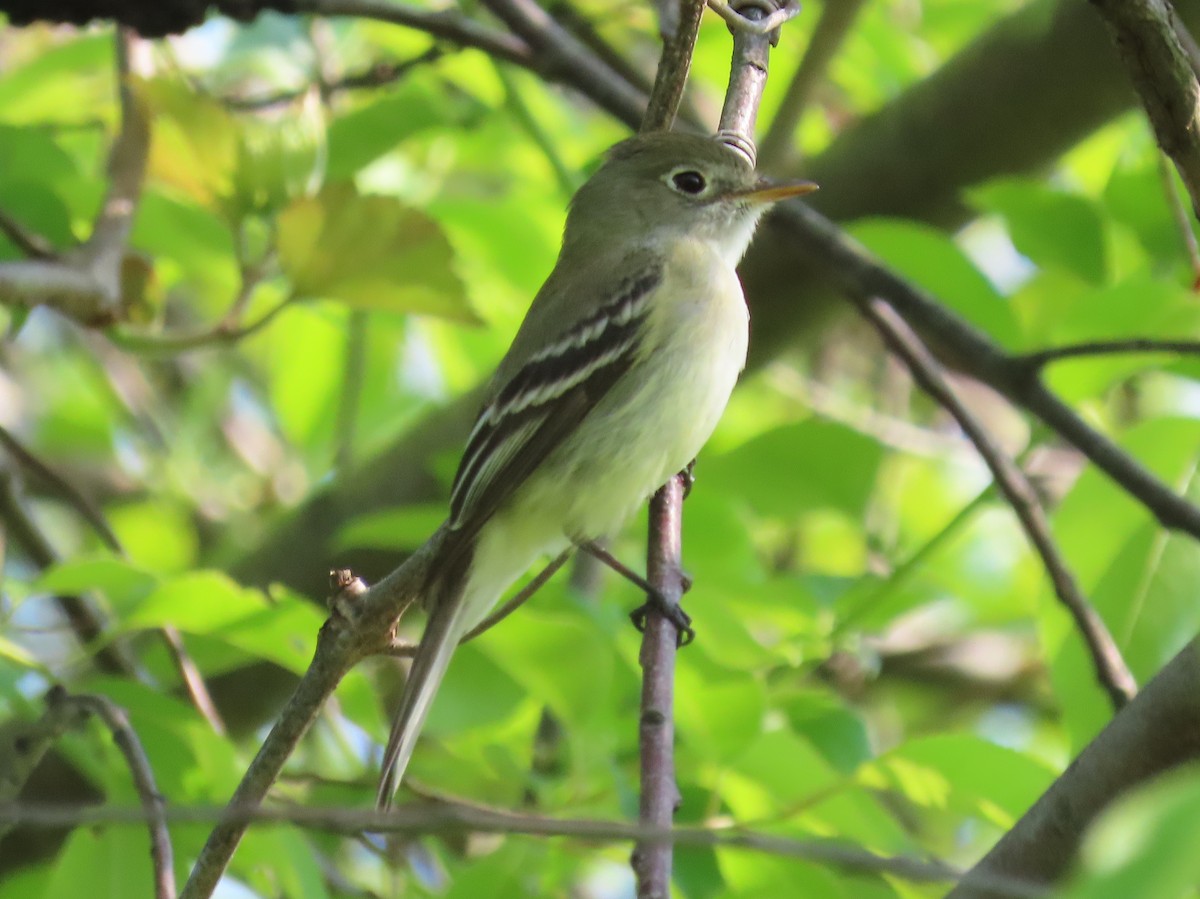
(545,400)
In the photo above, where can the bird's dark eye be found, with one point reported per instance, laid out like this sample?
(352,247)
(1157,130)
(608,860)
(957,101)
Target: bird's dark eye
(689,182)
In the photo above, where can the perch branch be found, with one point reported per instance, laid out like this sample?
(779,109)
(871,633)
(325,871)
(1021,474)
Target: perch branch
(1111,671)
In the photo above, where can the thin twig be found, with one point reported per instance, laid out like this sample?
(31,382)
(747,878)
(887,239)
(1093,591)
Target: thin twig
(776,149)
(673,67)
(560,56)
(170,344)
(193,680)
(376,75)
(567,15)
(117,721)
(88,627)
(463,818)
(520,597)
(1179,215)
(32,245)
(67,491)
(1041,358)
(964,348)
(1111,671)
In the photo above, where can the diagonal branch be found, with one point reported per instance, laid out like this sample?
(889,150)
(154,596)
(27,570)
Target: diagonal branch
(117,721)
(560,56)
(448,25)
(961,346)
(1146,35)
(1111,671)
(343,641)
(1157,732)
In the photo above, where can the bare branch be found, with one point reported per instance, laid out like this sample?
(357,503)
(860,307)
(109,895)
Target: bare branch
(1145,33)
(193,680)
(32,245)
(359,628)
(1041,358)
(961,346)
(450,817)
(560,56)
(1111,671)
(449,25)
(837,16)
(519,598)
(127,741)
(1157,732)
(673,67)
(656,723)
(376,75)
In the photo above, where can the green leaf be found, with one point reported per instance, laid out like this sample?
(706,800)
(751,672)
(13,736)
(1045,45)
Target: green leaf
(795,468)
(1053,228)
(1144,846)
(122,582)
(405,527)
(370,252)
(64,77)
(1107,537)
(207,602)
(359,137)
(102,862)
(195,140)
(964,772)
(929,258)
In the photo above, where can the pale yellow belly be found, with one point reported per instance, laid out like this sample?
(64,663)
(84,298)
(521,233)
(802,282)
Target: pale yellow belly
(647,428)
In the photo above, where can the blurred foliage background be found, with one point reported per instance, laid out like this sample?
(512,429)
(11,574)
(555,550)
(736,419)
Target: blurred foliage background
(341,225)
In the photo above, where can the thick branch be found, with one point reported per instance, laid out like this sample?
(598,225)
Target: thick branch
(1158,731)
(1145,32)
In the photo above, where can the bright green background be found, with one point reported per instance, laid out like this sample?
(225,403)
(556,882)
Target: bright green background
(880,659)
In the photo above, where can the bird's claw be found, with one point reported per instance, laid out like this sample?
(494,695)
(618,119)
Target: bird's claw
(673,612)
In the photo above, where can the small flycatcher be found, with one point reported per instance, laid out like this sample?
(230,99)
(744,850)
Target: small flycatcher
(614,381)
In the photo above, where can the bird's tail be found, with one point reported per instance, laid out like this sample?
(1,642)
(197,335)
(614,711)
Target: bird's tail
(446,626)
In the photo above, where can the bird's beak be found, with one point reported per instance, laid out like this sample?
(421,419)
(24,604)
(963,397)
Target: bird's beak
(767,192)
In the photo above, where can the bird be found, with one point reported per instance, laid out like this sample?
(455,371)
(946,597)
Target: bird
(615,379)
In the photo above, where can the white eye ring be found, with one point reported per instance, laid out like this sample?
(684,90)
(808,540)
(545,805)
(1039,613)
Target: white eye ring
(687,180)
